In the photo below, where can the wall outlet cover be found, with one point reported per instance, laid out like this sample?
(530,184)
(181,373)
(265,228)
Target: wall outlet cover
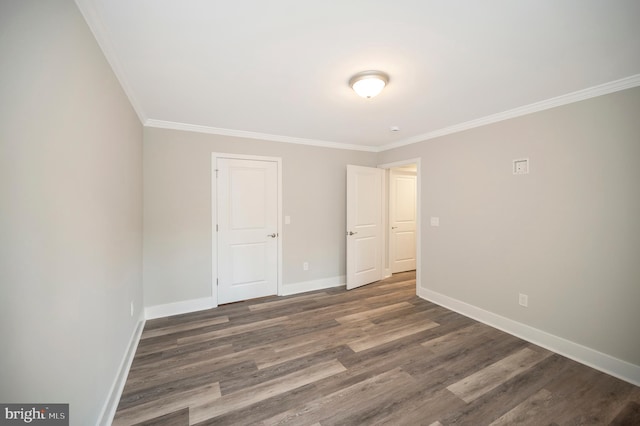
(523,300)
(521,166)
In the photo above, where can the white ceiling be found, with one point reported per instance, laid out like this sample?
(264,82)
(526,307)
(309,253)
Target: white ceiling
(279,69)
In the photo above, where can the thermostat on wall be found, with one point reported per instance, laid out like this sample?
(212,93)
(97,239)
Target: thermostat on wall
(521,166)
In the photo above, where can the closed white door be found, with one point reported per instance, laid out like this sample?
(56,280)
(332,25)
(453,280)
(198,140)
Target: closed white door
(402,219)
(364,225)
(247,229)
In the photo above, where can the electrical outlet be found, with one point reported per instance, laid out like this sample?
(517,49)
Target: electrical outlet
(305,266)
(523,300)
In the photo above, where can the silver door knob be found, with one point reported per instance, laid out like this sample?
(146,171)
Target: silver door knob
(272,235)
(351,233)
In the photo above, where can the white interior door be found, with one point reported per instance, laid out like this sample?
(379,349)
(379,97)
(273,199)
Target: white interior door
(364,225)
(402,220)
(247,229)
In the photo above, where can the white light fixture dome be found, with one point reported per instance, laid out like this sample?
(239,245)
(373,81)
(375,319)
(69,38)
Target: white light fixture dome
(369,83)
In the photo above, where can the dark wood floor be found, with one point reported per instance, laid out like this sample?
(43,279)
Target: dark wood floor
(374,355)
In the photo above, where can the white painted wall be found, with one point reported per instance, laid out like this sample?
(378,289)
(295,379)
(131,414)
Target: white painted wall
(177,211)
(567,234)
(70,211)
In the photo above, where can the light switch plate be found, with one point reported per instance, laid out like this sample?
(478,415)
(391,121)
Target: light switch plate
(434,221)
(521,166)
(287,220)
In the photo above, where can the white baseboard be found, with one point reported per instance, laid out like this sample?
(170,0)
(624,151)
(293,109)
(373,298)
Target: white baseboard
(194,305)
(301,287)
(582,354)
(177,308)
(111,404)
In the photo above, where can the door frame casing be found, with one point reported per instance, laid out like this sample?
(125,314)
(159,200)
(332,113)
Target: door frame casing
(399,163)
(214,216)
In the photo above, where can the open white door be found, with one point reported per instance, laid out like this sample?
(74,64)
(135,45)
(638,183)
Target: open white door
(402,219)
(247,225)
(364,225)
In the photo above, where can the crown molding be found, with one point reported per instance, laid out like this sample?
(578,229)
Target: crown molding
(92,18)
(161,124)
(580,95)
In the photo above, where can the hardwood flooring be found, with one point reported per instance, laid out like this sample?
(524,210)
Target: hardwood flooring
(374,355)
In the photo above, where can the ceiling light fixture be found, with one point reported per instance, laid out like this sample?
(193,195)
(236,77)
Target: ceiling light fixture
(369,83)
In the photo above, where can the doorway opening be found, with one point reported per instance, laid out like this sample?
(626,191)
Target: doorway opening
(402,221)
(383,221)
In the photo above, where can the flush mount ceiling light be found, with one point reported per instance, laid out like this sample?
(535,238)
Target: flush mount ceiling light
(369,83)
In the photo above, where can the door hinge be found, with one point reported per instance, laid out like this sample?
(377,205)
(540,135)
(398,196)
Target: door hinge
(216,282)
(216,227)
(216,170)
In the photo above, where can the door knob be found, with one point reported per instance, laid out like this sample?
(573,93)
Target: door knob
(393,227)
(351,233)
(272,235)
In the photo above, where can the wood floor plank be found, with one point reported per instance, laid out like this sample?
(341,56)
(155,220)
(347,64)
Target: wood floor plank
(629,415)
(283,302)
(376,355)
(339,404)
(388,336)
(167,405)
(302,346)
(253,394)
(151,367)
(378,360)
(422,408)
(509,394)
(173,329)
(235,330)
(251,378)
(488,378)
(533,407)
(329,312)
(371,313)
(177,418)
(147,348)
(481,353)
(596,397)
(135,397)
(267,337)
(389,298)
(201,366)
(454,341)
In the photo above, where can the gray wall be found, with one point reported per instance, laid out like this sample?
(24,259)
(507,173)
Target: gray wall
(567,234)
(177,210)
(71,207)
(70,211)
